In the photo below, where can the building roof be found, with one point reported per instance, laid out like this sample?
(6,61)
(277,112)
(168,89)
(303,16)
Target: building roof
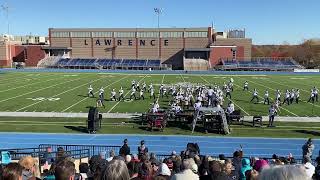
(196,49)
(55,48)
(125,29)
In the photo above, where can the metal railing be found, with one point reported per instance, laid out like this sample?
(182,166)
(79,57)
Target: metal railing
(93,149)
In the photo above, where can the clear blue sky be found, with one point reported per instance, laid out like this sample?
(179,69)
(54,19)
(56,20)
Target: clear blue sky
(265,21)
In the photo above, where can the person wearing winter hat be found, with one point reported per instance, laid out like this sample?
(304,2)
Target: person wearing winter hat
(260,164)
(245,167)
(164,173)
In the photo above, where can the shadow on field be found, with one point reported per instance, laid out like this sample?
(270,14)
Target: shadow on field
(315,133)
(81,129)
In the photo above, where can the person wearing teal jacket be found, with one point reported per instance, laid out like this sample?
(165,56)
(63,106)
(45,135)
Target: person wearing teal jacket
(245,167)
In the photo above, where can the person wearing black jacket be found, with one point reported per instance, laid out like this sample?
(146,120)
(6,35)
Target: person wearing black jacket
(125,149)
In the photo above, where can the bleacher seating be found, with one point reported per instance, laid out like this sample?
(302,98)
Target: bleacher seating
(84,63)
(260,64)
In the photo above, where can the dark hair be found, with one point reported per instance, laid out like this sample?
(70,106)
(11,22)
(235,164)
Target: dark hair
(133,168)
(64,170)
(13,171)
(84,168)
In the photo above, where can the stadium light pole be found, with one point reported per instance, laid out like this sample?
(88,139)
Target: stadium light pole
(158,11)
(6,10)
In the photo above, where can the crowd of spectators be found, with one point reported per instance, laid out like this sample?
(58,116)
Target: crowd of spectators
(187,165)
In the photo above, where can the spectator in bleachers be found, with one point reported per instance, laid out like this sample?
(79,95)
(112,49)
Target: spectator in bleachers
(61,154)
(227,169)
(29,168)
(187,172)
(310,169)
(84,170)
(65,170)
(236,161)
(252,174)
(142,149)
(47,156)
(125,149)
(245,167)
(128,159)
(260,164)
(133,169)
(103,154)
(145,172)
(12,171)
(164,172)
(135,158)
(115,170)
(111,155)
(288,172)
(96,165)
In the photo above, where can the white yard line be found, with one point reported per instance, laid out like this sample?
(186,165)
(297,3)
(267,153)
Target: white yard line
(38,90)
(270,97)
(229,99)
(59,94)
(29,85)
(182,78)
(94,93)
(124,96)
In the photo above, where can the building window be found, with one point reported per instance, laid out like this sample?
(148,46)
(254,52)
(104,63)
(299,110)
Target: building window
(102,34)
(80,34)
(171,34)
(196,34)
(59,34)
(124,34)
(148,34)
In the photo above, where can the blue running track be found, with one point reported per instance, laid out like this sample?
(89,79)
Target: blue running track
(260,147)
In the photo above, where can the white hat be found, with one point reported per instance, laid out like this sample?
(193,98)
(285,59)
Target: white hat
(164,170)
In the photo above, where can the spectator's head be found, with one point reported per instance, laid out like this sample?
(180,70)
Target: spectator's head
(115,170)
(227,167)
(215,166)
(112,153)
(260,164)
(28,163)
(236,154)
(49,149)
(65,170)
(12,171)
(128,158)
(103,154)
(84,168)
(288,172)
(125,141)
(61,153)
(133,169)
(252,174)
(164,170)
(187,163)
(142,142)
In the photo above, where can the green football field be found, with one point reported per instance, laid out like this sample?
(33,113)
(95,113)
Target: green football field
(67,92)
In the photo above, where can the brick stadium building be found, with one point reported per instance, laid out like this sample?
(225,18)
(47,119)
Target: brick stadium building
(181,48)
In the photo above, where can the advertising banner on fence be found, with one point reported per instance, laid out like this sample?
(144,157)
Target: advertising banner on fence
(306,70)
